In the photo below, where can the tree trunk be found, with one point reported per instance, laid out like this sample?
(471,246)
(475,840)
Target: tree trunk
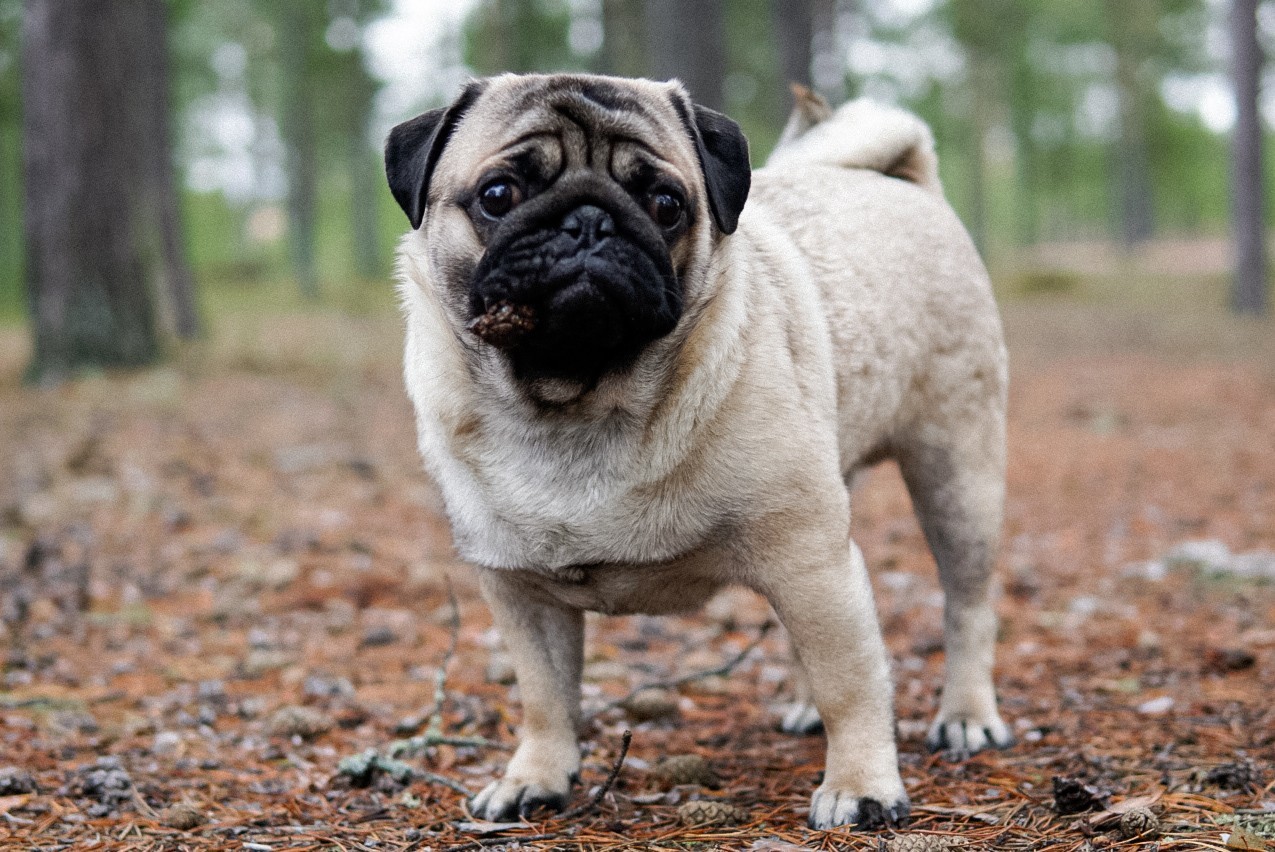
(622,38)
(10,236)
(86,103)
(794,35)
(365,188)
(299,136)
(983,77)
(1021,115)
(349,93)
(177,282)
(1249,294)
(828,61)
(1133,27)
(687,40)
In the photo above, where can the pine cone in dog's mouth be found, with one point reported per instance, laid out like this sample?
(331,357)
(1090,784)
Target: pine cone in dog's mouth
(504,324)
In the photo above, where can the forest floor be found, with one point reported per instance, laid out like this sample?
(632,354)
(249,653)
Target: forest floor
(222,577)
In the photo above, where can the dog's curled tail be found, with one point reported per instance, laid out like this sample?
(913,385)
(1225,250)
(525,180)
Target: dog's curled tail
(860,134)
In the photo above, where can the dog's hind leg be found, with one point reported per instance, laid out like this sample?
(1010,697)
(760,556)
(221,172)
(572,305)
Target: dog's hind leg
(958,492)
(801,717)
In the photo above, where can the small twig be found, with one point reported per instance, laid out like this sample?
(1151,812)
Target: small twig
(444,781)
(434,724)
(596,798)
(433,735)
(146,809)
(673,683)
(420,742)
(497,841)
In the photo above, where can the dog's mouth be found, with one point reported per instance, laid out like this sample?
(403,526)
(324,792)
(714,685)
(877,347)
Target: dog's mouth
(573,301)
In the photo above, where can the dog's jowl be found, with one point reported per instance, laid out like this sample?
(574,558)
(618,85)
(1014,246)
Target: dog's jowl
(643,372)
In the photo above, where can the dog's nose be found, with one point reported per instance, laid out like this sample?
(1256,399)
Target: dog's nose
(589,224)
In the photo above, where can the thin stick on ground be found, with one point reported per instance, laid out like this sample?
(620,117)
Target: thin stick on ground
(443,780)
(440,677)
(596,799)
(673,683)
(433,734)
(492,841)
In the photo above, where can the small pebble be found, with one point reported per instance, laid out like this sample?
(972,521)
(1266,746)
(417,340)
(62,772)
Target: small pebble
(377,637)
(183,816)
(167,743)
(1156,706)
(319,686)
(261,660)
(297,721)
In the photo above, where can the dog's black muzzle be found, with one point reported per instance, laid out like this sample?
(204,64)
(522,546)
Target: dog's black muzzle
(592,270)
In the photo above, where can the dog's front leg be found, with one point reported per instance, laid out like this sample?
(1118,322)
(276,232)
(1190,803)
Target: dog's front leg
(822,595)
(546,641)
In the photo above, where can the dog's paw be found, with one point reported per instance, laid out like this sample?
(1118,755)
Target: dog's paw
(801,719)
(960,735)
(832,807)
(513,797)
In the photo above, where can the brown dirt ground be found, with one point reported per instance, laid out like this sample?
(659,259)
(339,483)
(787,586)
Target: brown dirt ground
(186,551)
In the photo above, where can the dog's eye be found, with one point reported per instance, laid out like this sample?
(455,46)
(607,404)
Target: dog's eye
(498,198)
(666,209)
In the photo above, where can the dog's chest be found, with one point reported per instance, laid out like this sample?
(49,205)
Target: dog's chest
(537,500)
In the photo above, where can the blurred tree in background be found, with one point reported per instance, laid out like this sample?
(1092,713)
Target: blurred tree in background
(1250,293)
(10,161)
(103,235)
(1055,122)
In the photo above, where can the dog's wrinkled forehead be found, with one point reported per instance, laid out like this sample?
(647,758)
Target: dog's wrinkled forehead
(576,121)
(596,123)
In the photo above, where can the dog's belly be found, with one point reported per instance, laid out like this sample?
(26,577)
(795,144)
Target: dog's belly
(677,586)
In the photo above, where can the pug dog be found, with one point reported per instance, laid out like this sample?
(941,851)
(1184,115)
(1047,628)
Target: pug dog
(642,372)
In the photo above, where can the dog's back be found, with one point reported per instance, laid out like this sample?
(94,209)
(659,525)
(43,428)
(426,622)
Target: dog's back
(913,322)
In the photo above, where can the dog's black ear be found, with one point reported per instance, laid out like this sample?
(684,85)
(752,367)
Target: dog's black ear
(413,148)
(723,155)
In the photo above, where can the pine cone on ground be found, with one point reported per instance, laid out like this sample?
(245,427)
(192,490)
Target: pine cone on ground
(651,704)
(706,812)
(1073,796)
(923,843)
(1139,822)
(685,769)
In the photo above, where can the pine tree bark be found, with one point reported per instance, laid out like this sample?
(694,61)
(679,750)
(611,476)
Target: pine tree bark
(622,38)
(1249,294)
(1133,28)
(983,76)
(86,103)
(10,248)
(177,285)
(298,32)
(687,40)
(828,61)
(794,22)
